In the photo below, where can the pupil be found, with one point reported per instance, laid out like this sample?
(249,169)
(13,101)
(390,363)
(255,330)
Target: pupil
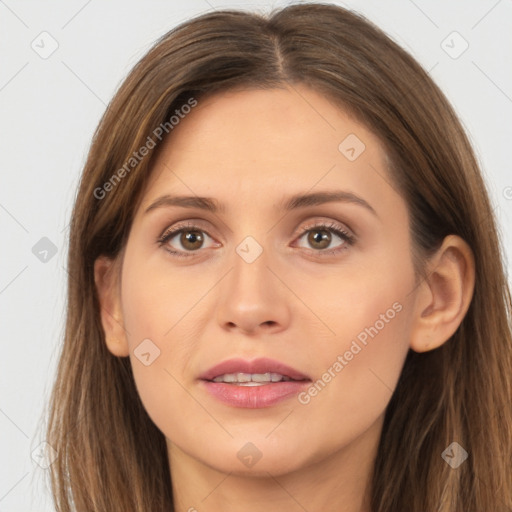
(321,238)
(191,237)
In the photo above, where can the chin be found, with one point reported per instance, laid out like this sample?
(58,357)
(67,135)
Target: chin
(259,459)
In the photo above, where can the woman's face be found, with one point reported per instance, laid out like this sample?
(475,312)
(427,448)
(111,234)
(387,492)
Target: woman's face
(321,286)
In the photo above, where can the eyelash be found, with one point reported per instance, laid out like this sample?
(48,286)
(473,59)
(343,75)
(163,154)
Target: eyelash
(327,226)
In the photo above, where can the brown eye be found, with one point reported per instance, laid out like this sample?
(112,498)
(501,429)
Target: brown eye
(185,241)
(191,240)
(319,238)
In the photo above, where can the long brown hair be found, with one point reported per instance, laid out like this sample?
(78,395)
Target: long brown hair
(111,457)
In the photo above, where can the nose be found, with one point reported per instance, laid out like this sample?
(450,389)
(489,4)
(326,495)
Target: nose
(252,299)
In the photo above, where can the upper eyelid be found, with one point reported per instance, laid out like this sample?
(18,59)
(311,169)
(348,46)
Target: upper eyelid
(332,224)
(179,225)
(304,225)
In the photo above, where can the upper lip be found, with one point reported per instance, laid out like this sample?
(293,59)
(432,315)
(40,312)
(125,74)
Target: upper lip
(261,365)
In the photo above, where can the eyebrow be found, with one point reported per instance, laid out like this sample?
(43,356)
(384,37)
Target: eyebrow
(291,203)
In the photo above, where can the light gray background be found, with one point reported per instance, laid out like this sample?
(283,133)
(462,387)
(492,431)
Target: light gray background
(49,108)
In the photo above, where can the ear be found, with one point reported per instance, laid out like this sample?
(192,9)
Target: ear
(443,298)
(107,280)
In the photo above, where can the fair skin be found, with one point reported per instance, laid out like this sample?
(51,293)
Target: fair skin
(250,150)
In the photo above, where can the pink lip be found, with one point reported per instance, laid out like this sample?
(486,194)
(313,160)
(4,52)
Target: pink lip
(253,397)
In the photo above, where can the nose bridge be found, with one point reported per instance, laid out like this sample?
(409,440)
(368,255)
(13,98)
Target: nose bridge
(251,296)
(250,276)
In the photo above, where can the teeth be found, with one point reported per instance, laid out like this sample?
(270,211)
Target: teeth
(251,379)
(264,377)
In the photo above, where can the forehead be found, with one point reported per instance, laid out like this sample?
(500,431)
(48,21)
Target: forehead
(236,142)
(277,118)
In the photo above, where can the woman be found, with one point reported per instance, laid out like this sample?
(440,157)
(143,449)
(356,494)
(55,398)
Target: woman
(286,289)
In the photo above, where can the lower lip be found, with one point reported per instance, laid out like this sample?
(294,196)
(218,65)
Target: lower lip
(254,397)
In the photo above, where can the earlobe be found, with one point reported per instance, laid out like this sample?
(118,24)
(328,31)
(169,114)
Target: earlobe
(444,296)
(106,281)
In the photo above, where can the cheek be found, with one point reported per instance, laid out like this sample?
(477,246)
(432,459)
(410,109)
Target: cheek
(154,310)
(155,300)
(359,359)
(365,299)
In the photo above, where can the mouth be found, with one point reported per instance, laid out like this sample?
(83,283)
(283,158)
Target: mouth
(253,384)
(262,370)
(252,379)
